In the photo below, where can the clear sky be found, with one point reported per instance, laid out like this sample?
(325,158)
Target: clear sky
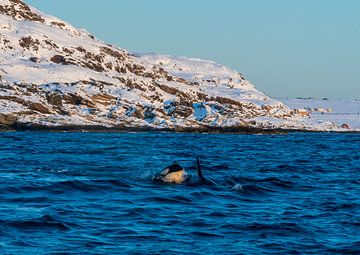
(285,47)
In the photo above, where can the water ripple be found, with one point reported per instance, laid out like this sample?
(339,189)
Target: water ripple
(91,193)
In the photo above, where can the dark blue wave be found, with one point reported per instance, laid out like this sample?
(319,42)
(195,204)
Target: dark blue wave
(91,193)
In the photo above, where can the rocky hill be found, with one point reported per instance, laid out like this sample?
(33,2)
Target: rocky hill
(55,76)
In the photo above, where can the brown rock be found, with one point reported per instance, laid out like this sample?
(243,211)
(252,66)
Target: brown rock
(103,99)
(29,43)
(72,99)
(78,100)
(81,49)
(183,111)
(7,119)
(39,108)
(170,90)
(58,59)
(121,56)
(54,99)
(51,44)
(58,24)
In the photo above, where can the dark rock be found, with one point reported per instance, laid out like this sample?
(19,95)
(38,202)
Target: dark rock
(54,99)
(34,59)
(58,59)
(149,113)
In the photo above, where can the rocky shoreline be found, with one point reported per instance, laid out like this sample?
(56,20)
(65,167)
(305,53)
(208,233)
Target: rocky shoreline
(21,127)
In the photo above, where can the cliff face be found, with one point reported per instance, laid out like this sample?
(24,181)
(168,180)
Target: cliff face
(52,74)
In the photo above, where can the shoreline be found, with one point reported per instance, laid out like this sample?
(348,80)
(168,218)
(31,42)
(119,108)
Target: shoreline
(122,129)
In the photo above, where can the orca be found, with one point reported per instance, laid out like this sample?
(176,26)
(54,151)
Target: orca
(176,174)
(172,174)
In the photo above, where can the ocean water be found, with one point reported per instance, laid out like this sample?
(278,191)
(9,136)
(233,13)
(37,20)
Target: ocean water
(91,193)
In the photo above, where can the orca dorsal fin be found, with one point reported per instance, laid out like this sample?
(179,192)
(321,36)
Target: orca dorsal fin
(201,177)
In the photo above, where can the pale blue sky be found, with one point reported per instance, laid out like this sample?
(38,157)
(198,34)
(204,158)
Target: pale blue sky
(285,47)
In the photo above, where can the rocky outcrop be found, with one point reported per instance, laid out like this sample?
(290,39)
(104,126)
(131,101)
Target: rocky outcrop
(19,10)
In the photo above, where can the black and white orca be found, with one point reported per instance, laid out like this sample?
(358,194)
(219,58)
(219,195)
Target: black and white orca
(176,174)
(172,174)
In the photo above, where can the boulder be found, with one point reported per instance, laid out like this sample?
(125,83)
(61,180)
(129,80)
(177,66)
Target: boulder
(54,99)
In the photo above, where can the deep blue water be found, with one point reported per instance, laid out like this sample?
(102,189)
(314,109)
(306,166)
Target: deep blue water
(91,193)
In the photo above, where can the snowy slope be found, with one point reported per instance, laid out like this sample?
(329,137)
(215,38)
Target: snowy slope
(52,74)
(342,111)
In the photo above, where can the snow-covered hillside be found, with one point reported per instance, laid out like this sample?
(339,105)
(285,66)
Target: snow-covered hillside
(339,112)
(54,75)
